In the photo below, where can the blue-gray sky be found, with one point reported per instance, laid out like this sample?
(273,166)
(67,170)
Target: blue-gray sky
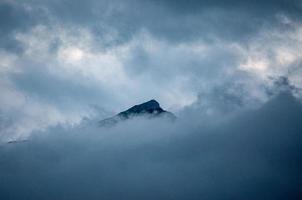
(60,60)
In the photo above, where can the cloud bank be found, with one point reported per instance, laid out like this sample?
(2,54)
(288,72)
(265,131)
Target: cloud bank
(253,154)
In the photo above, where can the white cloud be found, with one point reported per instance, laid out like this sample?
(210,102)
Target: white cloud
(143,68)
(71,55)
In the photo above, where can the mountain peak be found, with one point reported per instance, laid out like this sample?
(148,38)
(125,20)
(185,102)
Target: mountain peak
(150,108)
(152,104)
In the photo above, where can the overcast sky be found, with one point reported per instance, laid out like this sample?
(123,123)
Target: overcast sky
(229,70)
(61,61)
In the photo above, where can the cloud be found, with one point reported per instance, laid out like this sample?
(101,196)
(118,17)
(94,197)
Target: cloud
(67,57)
(15,17)
(233,157)
(179,20)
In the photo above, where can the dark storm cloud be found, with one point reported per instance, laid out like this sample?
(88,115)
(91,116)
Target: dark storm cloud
(15,18)
(252,5)
(254,155)
(230,20)
(189,20)
(179,20)
(171,20)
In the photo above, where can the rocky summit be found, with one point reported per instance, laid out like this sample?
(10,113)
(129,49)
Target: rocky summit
(149,109)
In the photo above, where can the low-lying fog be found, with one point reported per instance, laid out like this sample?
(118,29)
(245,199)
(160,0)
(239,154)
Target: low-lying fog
(253,154)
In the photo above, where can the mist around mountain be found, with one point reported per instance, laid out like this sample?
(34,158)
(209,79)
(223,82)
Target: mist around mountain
(255,154)
(75,75)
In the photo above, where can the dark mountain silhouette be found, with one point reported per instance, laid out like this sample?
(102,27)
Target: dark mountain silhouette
(149,109)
